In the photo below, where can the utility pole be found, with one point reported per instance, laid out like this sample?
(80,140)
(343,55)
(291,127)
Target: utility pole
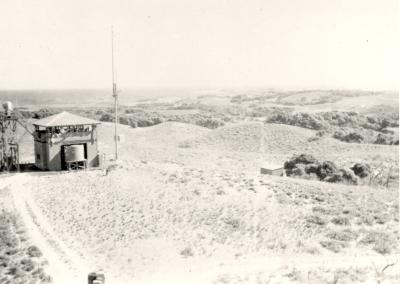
(115,95)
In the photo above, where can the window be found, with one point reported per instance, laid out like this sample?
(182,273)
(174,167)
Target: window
(38,156)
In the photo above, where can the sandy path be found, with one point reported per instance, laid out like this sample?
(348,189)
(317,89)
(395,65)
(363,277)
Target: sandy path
(64,266)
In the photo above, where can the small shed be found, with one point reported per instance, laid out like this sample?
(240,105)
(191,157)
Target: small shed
(65,141)
(272,169)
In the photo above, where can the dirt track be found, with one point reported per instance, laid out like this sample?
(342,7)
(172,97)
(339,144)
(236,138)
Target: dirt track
(64,267)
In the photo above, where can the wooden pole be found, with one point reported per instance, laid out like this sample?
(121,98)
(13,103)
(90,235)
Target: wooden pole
(115,95)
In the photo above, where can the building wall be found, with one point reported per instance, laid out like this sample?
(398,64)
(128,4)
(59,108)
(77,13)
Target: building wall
(274,172)
(54,157)
(93,159)
(92,155)
(51,152)
(40,155)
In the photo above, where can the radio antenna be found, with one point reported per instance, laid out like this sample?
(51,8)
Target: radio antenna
(115,95)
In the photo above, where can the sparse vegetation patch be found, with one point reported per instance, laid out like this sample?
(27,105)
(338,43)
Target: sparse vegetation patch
(306,166)
(17,257)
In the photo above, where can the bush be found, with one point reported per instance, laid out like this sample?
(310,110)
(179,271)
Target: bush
(8,239)
(347,176)
(301,119)
(344,235)
(210,123)
(308,167)
(382,246)
(107,117)
(324,120)
(342,176)
(4,261)
(315,219)
(327,170)
(321,133)
(42,113)
(342,221)
(382,242)
(299,170)
(16,272)
(27,264)
(186,252)
(333,245)
(333,178)
(34,251)
(361,170)
(124,120)
(292,166)
(312,168)
(352,137)
(385,139)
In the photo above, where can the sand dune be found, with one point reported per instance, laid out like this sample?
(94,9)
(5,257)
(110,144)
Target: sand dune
(139,220)
(239,146)
(188,197)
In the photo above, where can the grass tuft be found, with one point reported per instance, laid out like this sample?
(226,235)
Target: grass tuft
(315,219)
(332,245)
(345,235)
(341,221)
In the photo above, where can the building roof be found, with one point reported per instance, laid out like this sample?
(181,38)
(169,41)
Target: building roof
(64,118)
(272,166)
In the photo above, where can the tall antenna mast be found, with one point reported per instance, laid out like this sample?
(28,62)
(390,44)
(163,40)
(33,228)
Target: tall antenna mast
(115,95)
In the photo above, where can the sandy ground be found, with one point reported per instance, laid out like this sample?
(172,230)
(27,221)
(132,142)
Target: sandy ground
(187,205)
(130,246)
(64,266)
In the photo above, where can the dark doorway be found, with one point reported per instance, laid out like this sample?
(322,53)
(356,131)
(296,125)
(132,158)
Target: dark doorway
(63,163)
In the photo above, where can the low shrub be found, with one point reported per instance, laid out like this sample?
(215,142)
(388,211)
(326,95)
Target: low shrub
(352,137)
(343,235)
(315,219)
(4,261)
(8,239)
(307,167)
(292,166)
(341,221)
(186,252)
(333,245)
(361,170)
(301,119)
(34,251)
(27,264)
(323,210)
(382,246)
(327,170)
(382,242)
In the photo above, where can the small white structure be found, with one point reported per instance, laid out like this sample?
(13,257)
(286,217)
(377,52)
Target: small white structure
(272,169)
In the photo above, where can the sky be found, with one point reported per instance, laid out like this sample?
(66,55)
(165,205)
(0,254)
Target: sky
(47,44)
